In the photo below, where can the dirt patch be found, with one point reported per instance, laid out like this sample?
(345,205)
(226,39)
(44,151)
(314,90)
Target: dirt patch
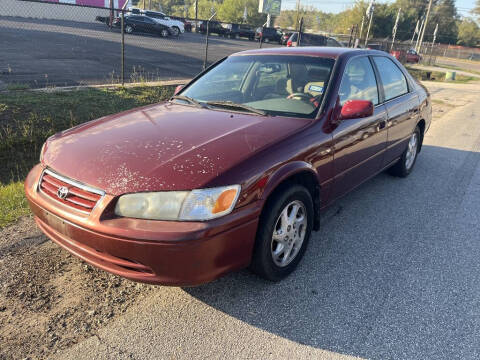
(440,108)
(50,300)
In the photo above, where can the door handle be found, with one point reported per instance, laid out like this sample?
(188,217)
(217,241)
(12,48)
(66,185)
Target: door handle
(381,124)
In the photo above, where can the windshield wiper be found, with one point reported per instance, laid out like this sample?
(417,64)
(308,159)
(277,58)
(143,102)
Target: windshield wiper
(236,106)
(188,99)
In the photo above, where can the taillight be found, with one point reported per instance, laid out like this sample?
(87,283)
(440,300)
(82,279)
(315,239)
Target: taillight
(289,43)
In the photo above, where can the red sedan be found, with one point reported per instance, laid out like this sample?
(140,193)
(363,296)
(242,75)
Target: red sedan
(232,171)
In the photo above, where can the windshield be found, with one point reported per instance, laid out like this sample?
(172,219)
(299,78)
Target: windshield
(274,84)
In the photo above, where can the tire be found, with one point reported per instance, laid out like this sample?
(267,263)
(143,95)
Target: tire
(404,166)
(266,40)
(129,29)
(275,255)
(164,33)
(175,31)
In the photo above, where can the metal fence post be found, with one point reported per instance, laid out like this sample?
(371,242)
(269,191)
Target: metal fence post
(300,30)
(261,36)
(205,60)
(122,29)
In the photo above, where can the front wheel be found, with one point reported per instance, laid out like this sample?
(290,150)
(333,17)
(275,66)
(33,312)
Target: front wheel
(128,29)
(175,31)
(405,164)
(284,230)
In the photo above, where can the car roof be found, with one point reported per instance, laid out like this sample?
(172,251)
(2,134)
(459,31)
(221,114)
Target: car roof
(321,51)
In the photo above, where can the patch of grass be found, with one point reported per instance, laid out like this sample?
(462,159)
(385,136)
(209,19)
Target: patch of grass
(17,86)
(454,67)
(438,76)
(28,118)
(13,203)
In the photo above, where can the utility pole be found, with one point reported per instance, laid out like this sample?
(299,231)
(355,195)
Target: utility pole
(370,15)
(424,25)
(361,27)
(415,31)
(298,15)
(395,28)
(433,43)
(421,28)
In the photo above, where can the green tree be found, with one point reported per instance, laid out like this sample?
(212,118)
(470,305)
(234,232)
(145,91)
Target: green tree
(232,11)
(444,13)
(468,33)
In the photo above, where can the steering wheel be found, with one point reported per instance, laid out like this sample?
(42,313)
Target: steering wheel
(302,96)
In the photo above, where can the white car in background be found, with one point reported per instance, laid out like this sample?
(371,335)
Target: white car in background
(177,27)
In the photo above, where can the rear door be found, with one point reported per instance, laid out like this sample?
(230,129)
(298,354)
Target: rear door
(359,143)
(402,107)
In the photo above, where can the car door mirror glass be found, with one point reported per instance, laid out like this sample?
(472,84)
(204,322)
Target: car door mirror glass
(354,109)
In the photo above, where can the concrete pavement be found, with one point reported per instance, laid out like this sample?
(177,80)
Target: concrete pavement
(392,274)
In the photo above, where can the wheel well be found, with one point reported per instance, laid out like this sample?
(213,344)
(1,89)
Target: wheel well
(421,126)
(309,181)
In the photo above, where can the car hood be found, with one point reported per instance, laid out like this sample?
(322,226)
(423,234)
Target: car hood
(161,147)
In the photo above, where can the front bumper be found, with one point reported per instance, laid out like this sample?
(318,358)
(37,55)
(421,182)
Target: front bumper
(156,252)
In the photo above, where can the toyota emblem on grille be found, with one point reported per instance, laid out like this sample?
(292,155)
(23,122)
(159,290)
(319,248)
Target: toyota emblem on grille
(62,192)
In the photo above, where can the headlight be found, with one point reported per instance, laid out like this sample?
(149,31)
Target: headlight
(192,205)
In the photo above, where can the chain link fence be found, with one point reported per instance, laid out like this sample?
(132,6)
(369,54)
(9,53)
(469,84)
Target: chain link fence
(47,43)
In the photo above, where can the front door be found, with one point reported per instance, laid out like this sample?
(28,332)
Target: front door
(359,144)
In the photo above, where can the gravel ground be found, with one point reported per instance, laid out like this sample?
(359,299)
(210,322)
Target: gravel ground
(376,299)
(50,300)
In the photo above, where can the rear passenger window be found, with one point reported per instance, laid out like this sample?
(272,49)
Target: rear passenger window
(358,82)
(394,82)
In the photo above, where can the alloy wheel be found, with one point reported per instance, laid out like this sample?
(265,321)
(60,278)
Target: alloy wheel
(289,233)
(411,151)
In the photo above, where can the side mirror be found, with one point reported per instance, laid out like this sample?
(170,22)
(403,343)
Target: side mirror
(178,89)
(354,109)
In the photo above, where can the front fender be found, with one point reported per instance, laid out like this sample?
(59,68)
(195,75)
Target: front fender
(284,172)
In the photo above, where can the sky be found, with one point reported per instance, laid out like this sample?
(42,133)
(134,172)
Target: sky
(463,6)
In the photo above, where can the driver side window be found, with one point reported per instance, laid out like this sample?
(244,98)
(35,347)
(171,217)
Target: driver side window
(358,82)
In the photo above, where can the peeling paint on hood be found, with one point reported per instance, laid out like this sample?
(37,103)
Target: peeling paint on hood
(161,147)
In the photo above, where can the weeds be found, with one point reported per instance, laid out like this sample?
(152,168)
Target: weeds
(28,118)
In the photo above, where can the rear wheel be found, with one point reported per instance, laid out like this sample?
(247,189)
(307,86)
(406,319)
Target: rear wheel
(164,33)
(128,29)
(266,40)
(405,164)
(283,233)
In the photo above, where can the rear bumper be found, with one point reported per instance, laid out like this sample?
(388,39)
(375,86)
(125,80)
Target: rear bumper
(155,252)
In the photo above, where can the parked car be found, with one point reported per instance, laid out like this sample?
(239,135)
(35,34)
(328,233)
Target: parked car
(236,31)
(375,46)
(215,27)
(234,169)
(176,27)
(285,37)
(143,24)
(410,56)
(308,39)
(187,25)
(268,35)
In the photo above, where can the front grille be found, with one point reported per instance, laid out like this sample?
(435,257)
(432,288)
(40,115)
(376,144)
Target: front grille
(80,197)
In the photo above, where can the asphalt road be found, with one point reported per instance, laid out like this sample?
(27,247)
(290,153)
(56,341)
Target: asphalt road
(460,63)
(64,53)
(392,274)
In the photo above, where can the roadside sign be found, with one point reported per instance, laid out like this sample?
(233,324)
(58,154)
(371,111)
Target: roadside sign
(271,7)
